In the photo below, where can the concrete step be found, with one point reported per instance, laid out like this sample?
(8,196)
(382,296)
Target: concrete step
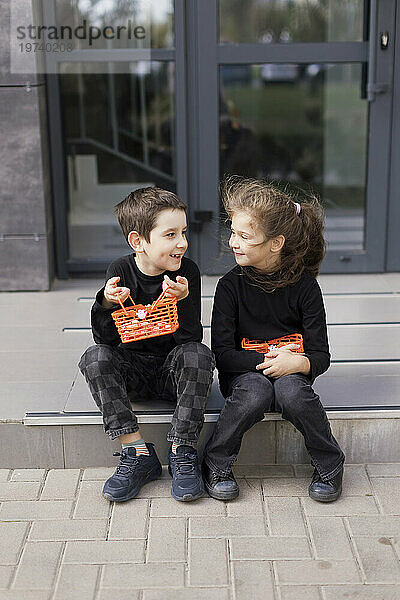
(364,435)
(344,386)
(44,334)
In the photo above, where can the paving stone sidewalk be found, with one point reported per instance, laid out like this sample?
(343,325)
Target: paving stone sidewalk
(60,540)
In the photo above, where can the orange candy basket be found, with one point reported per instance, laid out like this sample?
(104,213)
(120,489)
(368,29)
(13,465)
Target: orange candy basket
(139,322)
(264,347)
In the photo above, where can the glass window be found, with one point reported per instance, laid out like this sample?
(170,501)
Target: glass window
(119,18)
(118,136)
(283,21)
(306,126)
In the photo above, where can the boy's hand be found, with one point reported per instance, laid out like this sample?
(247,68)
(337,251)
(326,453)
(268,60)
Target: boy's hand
(178,289)
(112,292)
(283,361)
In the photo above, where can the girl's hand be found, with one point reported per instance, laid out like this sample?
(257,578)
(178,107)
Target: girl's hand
(178,289)
(283,361)
(112,291)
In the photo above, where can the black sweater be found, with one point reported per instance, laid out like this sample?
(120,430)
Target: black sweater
(242,309)
(144,290)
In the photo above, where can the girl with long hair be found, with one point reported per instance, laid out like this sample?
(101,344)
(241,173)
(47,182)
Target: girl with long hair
(272,292)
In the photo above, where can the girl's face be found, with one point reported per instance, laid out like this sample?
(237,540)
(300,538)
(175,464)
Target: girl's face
(249,245)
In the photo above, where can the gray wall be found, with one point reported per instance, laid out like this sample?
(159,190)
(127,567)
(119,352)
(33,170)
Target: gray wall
(26,247)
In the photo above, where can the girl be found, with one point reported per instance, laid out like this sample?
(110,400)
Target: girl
(278,245)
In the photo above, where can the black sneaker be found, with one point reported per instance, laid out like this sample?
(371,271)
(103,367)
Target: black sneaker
(183,466)
(131,474)
(220,487)
(325,491)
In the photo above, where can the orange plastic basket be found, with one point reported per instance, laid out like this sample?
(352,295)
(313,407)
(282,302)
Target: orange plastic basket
(264,347)
(139,322)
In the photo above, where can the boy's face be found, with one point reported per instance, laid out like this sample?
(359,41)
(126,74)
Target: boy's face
(167,243)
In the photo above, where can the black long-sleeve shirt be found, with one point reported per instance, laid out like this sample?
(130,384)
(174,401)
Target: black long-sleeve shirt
(243,310)
(144,290)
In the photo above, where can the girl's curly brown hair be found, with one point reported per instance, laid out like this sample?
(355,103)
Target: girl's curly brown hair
(275,211)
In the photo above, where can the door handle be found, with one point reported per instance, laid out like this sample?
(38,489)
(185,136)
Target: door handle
(377,88)
(373,87)
(384,38)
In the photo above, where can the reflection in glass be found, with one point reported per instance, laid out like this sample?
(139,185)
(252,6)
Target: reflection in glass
(155,14)
(283,21)
(305,126)
(119,136)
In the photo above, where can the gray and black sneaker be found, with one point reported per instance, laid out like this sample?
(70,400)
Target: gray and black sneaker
(325,491)
(220,487)
(187,483)
(131,474)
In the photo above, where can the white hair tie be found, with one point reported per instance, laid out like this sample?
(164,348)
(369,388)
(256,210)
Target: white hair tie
(298,207)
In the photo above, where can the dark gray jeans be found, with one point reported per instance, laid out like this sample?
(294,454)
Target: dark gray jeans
(253,394)
(118,375)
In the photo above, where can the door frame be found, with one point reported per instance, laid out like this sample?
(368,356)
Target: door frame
(393,237)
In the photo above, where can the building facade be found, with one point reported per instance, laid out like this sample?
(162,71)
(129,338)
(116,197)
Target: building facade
(304,93)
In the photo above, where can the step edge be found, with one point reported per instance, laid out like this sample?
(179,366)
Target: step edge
(51,418)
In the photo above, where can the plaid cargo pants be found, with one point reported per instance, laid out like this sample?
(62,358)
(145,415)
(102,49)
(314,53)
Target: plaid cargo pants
(117,375)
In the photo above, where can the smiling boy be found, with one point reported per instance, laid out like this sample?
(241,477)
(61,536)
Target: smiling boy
(175,367)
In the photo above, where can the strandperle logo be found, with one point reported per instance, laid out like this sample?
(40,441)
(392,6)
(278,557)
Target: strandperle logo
(39,44)
(91,33)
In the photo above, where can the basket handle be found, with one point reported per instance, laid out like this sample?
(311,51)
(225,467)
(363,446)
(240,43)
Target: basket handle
(154,305)
(122,304)
(157,302)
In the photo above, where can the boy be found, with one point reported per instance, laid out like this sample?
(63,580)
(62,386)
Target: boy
(176,367)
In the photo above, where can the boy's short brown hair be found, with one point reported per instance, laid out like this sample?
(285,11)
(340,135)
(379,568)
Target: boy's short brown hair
(139,210)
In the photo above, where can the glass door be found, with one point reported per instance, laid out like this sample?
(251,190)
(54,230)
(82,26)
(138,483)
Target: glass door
(299,92)
(118,118)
